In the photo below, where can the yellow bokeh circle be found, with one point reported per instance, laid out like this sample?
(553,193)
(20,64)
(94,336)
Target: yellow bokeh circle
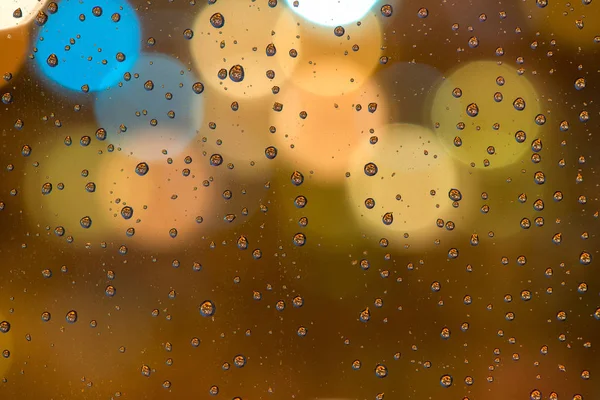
(330,65)
(413,178)
(242,40)
(570,23)
(475,109)
(324,139)
(239,131)
(65,166)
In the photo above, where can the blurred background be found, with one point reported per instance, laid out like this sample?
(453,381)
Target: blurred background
(311,199)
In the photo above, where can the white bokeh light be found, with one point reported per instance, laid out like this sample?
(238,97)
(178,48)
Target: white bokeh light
(29,9)
(332,12)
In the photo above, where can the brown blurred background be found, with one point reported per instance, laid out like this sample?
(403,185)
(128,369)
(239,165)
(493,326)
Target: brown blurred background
(192,219)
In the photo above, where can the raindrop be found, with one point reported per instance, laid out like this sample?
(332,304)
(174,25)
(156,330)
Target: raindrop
(236,73)
(207,308)
(217,20)
(46,188)
(127,212)
(297,178)
(271,152)
(370,169)
(446,381)
(52,60)
(142,169)
(387,10)
(472,110)
(71,316)
(299,239)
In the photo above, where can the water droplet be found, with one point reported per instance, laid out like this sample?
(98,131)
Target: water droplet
(46,188)
(7,98)
(71,316)
(519,104)
(198,87)
(446,381)
(4,326)
(370,169)
(207,308)
(299,239)
(41,18)
(472,110)
(110,291)
(217,20)
(271,152)
(127,212)
(539,178)
(97,11)
(365,315)
(473,42)
(239,361)
(271,50)
(216,160)
(142,169)
(85,222)
(300,201)
(242,242)
(52,60)
(145,370)
(455,195)
(387,10)
(381,371)
(297,178)
(236,73)
(585,258)
(388,218)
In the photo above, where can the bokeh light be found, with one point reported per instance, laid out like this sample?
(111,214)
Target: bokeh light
(321,291)
(165,198)
(331,12)
(11,18)
(14,44)
(332,65)
(155,108)
(566,24)
(323,139)
(491,93)
(242,40)
(88,45)
(239,131)
(66,166)
(179,201)
(414,176)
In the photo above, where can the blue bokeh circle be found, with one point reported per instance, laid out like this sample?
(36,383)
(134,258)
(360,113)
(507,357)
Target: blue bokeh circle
(136,118)
(87,45)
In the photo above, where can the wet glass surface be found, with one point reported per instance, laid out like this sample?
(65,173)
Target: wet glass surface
(312,199)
